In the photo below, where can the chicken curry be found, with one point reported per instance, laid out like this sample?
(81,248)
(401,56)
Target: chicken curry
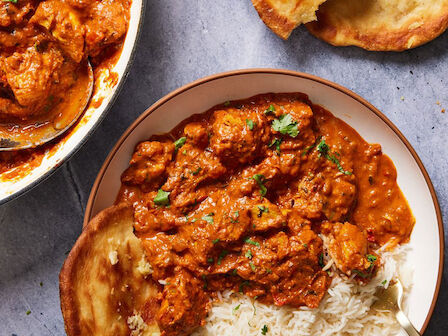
(44,46)
(245,196)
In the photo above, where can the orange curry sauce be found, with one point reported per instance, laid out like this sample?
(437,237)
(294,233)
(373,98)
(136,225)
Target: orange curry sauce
(241,196)
(42,44)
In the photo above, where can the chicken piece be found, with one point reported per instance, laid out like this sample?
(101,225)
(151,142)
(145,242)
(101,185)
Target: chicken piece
(339,195)
(106,24)
(15,13)
(64,24)
(148,164)
(196,133)
(184,305)
(31,75)
(237,135)
(348,247)
(192,168)
(265,216)
(308,201)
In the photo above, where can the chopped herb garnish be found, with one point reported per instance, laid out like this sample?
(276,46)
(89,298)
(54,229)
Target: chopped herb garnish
(268,270)
(162,198)
(209,217)
(215,241)
(264,330)
(324,151)
(41,284)
(248,254)
(305,245)
(250,124)
(252,266)
(244,284)
(270,109)
(227,103)
(262,209)
(371,258)
(286,125)
(276,142)
(361,274)
(384,282)
(234,219)
(321,260)
(260,181)
(210,260)
(237,307)
(28,312)
(204,277)
(179,143)
(184,152)
(222,255)
(252,242)
(12,1)
(195,172)
(234,272)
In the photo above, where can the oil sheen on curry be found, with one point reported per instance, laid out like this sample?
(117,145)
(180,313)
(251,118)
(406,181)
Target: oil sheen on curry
(43,50)
(242,198)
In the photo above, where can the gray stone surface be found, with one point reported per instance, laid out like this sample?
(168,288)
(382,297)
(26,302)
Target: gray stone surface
(183,41)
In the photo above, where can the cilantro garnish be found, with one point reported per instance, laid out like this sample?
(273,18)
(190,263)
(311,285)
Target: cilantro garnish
(227,103)
(250,124)
(237,307)
(371,258)
(162,197)
(321,260)
(276,142)
(195,172)
(248,254)
(209,217)
(252,266)
(262,209)
(252,242)
(324,150)
(179,143)
(215,241)
(244,284)
(270,109)
(260,179)
(28,312)
(12,1)
(264,330)
(222,256)
(286,125)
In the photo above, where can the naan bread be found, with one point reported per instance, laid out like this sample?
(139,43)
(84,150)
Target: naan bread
(282,16)
(105,283)
(383,25)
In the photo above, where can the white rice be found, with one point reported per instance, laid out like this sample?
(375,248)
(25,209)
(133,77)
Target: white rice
(345,309)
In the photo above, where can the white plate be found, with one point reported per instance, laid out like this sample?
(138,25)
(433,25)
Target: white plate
(426,255)
(11,188)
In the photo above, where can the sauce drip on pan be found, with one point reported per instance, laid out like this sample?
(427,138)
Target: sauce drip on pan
(244,196)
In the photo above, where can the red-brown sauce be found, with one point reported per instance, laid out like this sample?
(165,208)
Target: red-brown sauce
(239,197)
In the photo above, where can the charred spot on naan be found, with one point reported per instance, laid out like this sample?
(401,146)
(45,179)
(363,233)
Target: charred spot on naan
(105,283)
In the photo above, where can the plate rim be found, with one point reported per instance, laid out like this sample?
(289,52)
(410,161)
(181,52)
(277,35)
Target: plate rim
(82,142)
(342,89)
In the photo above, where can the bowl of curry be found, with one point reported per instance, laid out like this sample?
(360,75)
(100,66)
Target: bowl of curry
(271,185)
(45,46)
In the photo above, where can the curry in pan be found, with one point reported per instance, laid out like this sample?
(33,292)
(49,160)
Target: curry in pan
(246,196)
(44,46)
